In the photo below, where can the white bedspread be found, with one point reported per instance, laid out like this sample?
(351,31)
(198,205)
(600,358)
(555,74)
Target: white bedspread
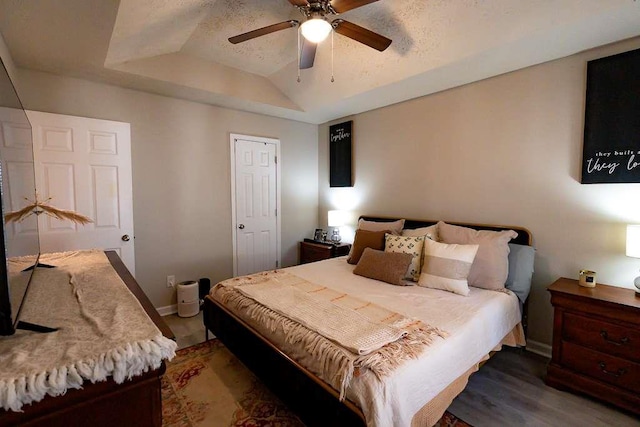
(476,324)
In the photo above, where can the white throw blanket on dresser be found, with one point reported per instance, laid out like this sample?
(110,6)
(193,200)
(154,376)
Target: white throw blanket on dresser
(103,331)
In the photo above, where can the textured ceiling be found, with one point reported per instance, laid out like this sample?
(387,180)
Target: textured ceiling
(180,48)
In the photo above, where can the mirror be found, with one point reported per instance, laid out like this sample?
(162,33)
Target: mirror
(17,190)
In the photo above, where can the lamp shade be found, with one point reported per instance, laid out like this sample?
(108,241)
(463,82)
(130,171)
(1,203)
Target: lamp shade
(633,241)
(315,30)
(337,218)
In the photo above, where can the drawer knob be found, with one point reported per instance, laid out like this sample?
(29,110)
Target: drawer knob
(603,368)
(605,336)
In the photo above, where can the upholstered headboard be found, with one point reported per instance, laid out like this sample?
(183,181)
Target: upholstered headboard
(524,235)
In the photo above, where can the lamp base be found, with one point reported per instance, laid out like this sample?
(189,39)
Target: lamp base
(636,282)
(335,236)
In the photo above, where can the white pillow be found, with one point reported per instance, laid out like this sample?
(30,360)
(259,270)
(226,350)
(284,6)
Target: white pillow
(447,266)
(407,245)
(431,232)
(491,266)
(394,226)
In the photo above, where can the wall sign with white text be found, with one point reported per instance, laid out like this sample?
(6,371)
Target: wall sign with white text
(611,152)
(340,138)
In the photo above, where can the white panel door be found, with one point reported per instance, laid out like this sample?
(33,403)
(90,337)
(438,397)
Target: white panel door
(257,241)
(18,177)
(84,165)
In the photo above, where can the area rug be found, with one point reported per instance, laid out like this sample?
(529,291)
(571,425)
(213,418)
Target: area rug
(206,385)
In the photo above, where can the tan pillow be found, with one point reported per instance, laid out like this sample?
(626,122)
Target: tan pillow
(491,265)
(393,227)
(407,245)
(390,267)
(430,231)
(365,239)
(447,266)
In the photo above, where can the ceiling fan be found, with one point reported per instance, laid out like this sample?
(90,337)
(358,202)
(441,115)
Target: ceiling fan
(315,28)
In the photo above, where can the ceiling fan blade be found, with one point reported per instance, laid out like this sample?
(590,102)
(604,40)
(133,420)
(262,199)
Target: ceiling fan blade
(360,34)
(299,3)
(263,31)
(342,6)
(307,54)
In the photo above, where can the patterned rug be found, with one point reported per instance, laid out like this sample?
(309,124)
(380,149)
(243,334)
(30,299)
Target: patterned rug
(205,385)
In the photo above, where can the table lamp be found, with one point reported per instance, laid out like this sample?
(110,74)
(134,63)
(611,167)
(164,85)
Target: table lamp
(336,219)
(633,248)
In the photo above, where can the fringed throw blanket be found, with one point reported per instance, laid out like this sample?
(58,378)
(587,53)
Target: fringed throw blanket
(104,331)
(345,333)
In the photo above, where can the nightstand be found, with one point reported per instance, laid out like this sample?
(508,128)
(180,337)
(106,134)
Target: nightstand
(311,251)
(596,342)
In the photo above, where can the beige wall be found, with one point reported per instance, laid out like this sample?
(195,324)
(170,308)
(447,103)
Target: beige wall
(7,60)
(181,174)
(506,150)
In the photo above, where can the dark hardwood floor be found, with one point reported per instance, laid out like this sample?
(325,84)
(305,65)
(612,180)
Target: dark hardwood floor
(509,390)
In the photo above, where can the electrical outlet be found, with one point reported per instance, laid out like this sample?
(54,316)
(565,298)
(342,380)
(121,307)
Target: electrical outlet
(171,281)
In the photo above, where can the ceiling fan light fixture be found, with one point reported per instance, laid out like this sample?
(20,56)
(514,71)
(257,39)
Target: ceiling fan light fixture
(315,29)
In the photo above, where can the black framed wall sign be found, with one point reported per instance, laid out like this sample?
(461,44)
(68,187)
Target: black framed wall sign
(611,151)
(340,140)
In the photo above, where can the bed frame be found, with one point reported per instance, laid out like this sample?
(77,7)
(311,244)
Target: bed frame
(313,400)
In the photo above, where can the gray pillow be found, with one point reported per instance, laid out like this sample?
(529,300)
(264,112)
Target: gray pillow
(521,259)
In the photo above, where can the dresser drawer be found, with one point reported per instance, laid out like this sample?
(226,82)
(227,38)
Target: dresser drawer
(610,369)
(602,336)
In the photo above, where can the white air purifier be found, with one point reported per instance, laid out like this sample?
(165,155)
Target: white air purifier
(188,302)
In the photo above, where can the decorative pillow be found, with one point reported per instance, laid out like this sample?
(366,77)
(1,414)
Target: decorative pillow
(390,267)
(365,239)
(447,266)
(521,259)
(431,232)
(407,245)
(393,227)
(491,265)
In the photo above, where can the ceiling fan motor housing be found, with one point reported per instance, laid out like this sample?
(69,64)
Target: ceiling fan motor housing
(318,27)
(317,9)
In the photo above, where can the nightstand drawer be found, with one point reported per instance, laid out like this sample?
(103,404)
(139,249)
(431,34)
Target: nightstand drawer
(311,252)
(610,369)
(602,336)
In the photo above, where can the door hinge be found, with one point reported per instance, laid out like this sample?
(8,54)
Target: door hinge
(276,212)
(277,264)
(276,160)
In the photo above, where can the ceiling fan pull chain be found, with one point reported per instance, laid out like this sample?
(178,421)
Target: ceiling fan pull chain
(332,79)
(298,50)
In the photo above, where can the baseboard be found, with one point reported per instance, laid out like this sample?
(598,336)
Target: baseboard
(539,348)
(167,310)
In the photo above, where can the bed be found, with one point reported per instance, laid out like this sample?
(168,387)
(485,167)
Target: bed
(419,391)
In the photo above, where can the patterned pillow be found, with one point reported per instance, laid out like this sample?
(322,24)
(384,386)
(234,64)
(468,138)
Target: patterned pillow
(407,245)
(447,266)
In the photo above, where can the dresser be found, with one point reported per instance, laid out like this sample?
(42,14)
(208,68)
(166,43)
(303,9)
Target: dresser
(311,250)
(596,342)
(135,402)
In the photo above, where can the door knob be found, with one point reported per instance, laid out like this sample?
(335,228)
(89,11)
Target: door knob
(125,238)
(241,226)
